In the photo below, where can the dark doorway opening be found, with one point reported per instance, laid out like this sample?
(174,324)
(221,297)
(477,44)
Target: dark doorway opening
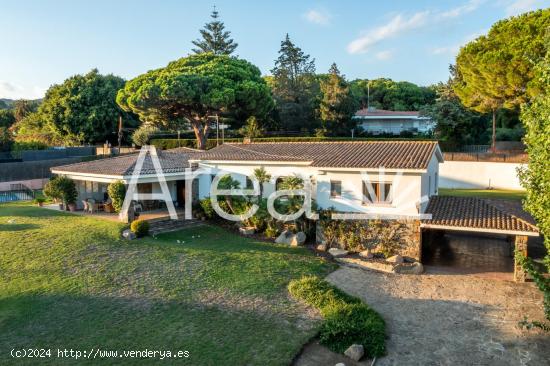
(467,252)
(180,189)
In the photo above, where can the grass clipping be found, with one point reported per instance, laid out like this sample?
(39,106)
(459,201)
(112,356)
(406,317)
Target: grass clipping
(347,319)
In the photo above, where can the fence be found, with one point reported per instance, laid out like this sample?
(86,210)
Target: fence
(17,192)
(26,170)
(510,157)
(48,154)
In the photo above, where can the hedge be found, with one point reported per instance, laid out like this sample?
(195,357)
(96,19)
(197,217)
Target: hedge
(347,319)
(192,143)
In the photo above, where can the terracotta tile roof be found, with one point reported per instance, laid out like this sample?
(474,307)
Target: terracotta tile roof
(172,161)
(365,112)
(475,213)
(341,154)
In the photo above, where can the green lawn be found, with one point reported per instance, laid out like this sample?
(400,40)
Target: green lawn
(484,193)
(69,282)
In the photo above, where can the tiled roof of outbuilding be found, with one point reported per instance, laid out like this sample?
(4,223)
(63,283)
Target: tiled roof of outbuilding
(474,213)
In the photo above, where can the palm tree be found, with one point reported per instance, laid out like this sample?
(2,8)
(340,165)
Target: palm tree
(263,177)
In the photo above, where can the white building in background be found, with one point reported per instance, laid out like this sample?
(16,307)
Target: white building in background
(378,121)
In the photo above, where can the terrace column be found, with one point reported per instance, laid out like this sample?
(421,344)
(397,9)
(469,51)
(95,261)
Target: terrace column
(520,244)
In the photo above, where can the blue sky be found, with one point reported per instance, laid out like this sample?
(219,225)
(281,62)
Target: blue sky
(44,42)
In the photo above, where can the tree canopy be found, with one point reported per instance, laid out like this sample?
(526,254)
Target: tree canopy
(80,110)
(215,38)
(295,87)
(497,70)
(535,178)
(194,88)
(456,125)
(392,95)
(337,105)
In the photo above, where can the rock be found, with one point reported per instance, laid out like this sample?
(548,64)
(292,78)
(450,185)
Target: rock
(322,247)
(340,364)
(283,238)
(395,259)
(355,352)
(297,239)
(128,234)
(367,254)
(247,230)
(415,269)
(337,253)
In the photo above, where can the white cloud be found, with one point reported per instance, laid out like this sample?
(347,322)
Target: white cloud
(318,16)
(521,6)
(454,49)
(401,23)
(384,55)
(458,11)
(397,25)
(13,91)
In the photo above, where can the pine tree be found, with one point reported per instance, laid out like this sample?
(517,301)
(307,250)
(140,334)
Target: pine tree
(294,86)
(337,104)
(214,38)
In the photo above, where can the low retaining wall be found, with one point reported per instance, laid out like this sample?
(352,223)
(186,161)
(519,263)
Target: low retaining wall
(479,175)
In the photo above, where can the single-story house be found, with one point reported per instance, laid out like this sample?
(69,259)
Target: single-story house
(378,179)
(379,121)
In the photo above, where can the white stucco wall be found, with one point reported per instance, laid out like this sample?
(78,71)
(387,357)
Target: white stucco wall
(407,186)
(479,175)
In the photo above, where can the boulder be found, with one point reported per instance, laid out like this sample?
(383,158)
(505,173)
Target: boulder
(367,254)
(283,238)
(297,239)
(337,253)
(340,364)
(355,352)
(415,268)
(397,259)
(128,234)
(322,247)
(247,230)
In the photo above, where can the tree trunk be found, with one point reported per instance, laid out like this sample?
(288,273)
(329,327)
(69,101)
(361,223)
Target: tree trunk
(494,136)
(201,133)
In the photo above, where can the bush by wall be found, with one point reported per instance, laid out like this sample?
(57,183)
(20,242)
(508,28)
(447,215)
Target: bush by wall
(140,228)
(117,192)
(347,319)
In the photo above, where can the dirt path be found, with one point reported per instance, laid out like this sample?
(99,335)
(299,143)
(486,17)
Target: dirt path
(449,319)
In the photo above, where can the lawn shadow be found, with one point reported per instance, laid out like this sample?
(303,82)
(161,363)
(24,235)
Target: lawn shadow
(18,227)
(212,335)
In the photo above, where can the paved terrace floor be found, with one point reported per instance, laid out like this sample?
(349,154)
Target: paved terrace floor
(147,215)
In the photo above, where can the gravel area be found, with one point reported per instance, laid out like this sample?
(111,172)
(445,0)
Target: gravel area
(440,319)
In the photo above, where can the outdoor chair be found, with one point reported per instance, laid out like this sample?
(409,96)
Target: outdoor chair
(85,203)
(91,206)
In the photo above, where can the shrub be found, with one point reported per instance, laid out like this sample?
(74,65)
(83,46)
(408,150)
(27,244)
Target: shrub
(61,188)
(142,135)
(117,192)
(140,228)
(347,319)
(271,231)
(206,206)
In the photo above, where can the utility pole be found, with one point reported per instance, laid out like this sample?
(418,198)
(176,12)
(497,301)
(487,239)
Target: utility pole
(119,133)
(217,130)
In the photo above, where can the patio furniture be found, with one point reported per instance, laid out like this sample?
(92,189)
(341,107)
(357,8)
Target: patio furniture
(108,207)
(85,204)
(91,206)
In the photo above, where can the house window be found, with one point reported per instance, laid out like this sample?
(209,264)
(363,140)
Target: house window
(429,184)
(381,193)
(436,183)
(249,184)
(336,188)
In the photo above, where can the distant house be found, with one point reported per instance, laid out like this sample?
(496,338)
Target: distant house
(378,121)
